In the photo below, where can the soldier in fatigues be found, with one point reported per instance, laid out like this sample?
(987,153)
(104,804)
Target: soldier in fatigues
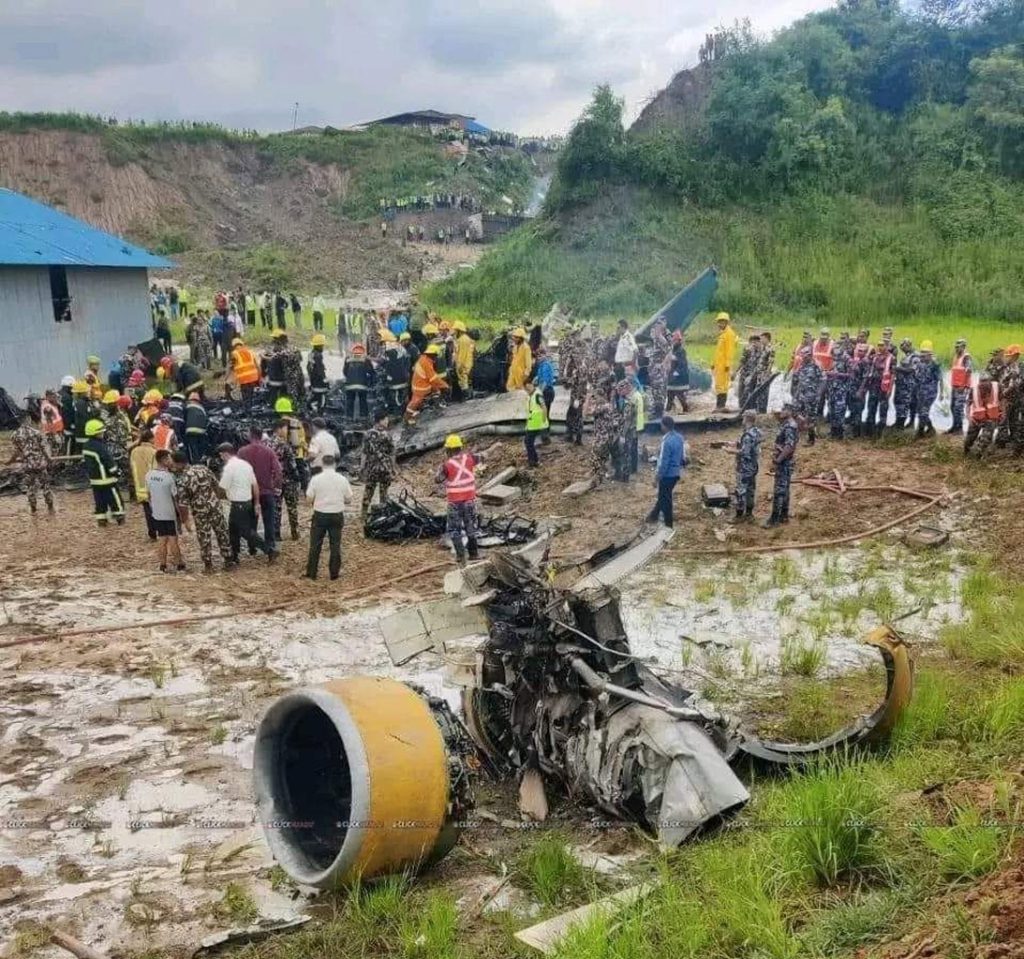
(929,387)
(1012,385)
(808,383)
(379,467)
(29,445)
(291,477)
(294,378)
(783,460)
(657,370)
(202,344)
(577,375)
(905,388)
(119,437)
(984,415)
(765,369)
(857,388)
(747,450)
(197,493)
(961,376)
(746,377)
(837,383)
(606,437)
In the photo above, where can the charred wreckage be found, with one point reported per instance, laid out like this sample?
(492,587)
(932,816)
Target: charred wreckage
(367,775)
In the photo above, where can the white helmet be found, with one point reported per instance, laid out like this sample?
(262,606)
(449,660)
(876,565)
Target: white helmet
(68,381)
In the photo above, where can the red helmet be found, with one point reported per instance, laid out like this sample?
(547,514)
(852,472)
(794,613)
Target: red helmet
(124,402)
(166,363)
(358,348)
(137,378)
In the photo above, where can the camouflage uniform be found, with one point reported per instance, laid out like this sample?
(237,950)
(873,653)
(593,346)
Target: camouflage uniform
(746,376)
(119,438)
(628,454)
(1011,385)
(927,375)
(807,388)
(30,446)
(747,453)
(657,371)
(837,383)
(578,378)
(291,484)
(197,489)
(294,378)
(202,346)
(982,433)
(856,392)
(904,389)
(788,435)
(765,368)
(607,431)
(378,465)
(959,396)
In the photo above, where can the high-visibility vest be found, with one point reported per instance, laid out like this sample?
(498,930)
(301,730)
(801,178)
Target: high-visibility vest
(163,434)
(53,422)
(247,372)
(460,478)
(988,409)
(822,353)
(536,413)
(960,375)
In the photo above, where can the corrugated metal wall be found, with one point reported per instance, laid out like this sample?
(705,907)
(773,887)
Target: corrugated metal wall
(110,309)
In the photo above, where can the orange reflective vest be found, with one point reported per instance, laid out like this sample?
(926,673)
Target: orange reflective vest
(822,353)
(425,379)
(985,409)
(460,478)
(163,436)
(244,366)
(960,375)
(53,422)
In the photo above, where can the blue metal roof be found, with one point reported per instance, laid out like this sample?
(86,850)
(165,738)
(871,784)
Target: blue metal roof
(473,127)
(33,233)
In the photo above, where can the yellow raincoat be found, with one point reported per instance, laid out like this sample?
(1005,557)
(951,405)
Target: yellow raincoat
(519,369)
(464,352)
(721,365)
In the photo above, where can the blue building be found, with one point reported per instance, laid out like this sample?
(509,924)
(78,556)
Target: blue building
(67,290)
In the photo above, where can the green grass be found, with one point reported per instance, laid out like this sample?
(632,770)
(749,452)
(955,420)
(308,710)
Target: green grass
(799,658)
(237,905)
(550,872)
(993,632)
(967,848)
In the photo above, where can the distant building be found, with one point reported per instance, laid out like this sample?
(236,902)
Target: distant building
(434,121)
(66,290)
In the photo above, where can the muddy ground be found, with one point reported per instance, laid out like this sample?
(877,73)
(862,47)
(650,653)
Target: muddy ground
(126,755)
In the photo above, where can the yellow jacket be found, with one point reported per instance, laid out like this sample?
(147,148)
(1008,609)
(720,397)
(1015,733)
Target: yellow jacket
(141,459)
(721,365)
(519,370)
(465,349)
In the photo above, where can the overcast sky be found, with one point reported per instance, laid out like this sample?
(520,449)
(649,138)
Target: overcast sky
(522,65)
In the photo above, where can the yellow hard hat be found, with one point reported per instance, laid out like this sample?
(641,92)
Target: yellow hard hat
(277,334)
(459,326)
(453,442)
(80,387)
(520,332)
(1012,350)
(723,316)
(152,396)
(94,427)
(161,373)
(429,329)
(433,350)
(237,341)
(111,396)
(92,360)
(926,346)
(405,337)
(318,340)
(283,405)
(387,336)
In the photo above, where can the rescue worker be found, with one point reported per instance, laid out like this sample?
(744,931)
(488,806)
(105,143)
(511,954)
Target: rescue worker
(520,362)
(294,378)
(151,402)
(783,461)
(746,375)
(1011,385)
(576,366)
(395,372)
(51,420)
(201,512)
(721,364)
(379,465)
(141,461)
(188,378)
(291,483)
(678,375)
(929,387)
(176,411)
(984,415)
(905,385)
(821,354)
(359,380)
(318,386)
(84,412)
(196,425)
(67,412)
(458,473)
(296,439)
(631,409)
(405,341)
(837,385)
(807,385)
(426,382)
(878,383)
(272,364)
(960,377)
(245,370)
(465,350)
(747,450)
(118,435)
(657,369)
(163,434)
(102,472)
(607,436)
(203,352)
(92,377)
(536,422)
(31,447)
(857,394)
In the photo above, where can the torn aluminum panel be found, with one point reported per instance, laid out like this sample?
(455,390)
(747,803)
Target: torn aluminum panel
(416,629)
(628,561)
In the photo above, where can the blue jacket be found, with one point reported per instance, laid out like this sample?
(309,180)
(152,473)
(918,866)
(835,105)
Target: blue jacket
(670,456)
(545,373)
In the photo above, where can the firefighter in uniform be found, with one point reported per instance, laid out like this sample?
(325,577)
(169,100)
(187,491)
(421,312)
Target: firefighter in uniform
(99,464)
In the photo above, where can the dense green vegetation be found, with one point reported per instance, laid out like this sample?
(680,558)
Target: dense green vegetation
(865,163)
(386,161)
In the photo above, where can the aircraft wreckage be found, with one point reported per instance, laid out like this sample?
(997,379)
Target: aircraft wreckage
(366,775)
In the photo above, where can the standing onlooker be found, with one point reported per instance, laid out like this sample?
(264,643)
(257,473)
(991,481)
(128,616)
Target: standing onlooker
(747,450)
(242,492)
(544,377)
(141,459)
(270,482)
(280,306)
(625,351)
(536,422)
(163,506)
(322,443)
(162,331)
(296,312)
(783,460)
(670,467)
(318,313)
(329,492)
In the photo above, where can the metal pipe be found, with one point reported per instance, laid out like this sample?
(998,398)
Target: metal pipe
(594,681)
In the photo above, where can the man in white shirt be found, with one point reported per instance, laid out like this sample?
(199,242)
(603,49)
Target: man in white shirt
(625,350)
(238,481)
(321,444)
(329,492)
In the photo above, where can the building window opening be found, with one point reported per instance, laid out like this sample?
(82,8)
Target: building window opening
(59,294)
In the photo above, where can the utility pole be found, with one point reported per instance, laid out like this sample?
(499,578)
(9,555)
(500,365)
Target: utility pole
(295,116)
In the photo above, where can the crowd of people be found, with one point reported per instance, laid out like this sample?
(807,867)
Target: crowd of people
(143,434)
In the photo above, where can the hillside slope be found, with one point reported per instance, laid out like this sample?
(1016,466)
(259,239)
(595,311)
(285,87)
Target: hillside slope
(227,207)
